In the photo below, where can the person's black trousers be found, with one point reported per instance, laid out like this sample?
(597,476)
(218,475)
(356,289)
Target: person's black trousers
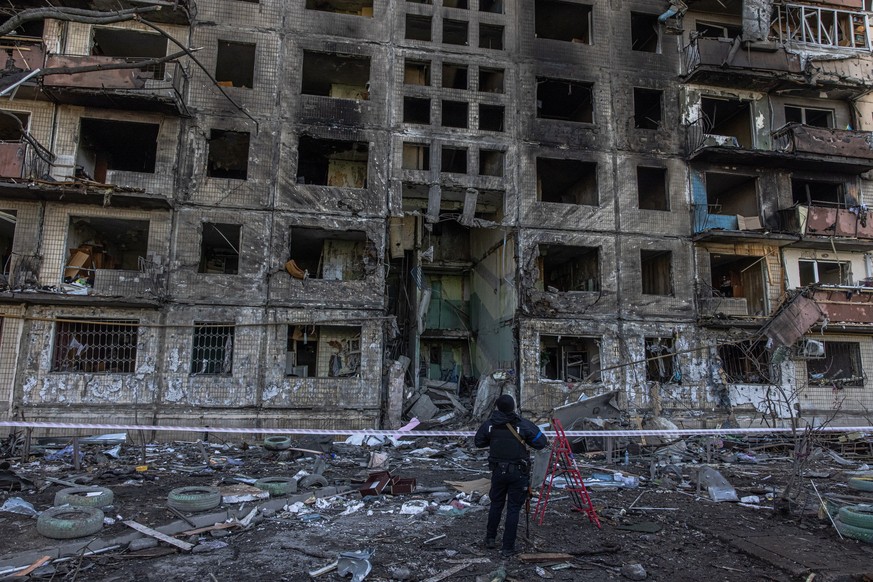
(508,488)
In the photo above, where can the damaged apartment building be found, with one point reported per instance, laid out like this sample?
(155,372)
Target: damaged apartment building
(303,212)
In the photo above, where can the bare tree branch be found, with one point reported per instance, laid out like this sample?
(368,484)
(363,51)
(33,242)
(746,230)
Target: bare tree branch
(114,66)
(73,15)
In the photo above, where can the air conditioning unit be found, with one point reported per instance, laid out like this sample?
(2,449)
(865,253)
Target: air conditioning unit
(809,349)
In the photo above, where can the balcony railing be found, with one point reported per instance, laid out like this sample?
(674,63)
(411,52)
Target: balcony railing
(828,221)
(162,82)
(719,54)
(822,27)
(796,138)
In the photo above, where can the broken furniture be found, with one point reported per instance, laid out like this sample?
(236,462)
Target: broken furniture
(383,482)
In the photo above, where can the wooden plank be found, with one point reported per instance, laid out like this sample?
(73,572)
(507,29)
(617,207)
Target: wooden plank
(32,567)
(545,557)
(185,546)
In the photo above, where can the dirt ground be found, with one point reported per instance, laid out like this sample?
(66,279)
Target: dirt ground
(672,531)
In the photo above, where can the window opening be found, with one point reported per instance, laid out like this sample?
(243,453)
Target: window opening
(329,162)
(455,113)
(96,243)
(331,255)
(104,346)
(12,130)
(461,4)
(731,194)
(493,6)
(228,155)
(565,21)
(323,351)
(454,76)
(491,80)
(416,72)
(490,36)
(660,353)
(656,272)
(235,64)
(745,363)
(416,156)
(416,110)
(728,117)
(334,75)
(715,30)
(652,188)
(567,181)
(219,248)
(742,278)
(115,145)
(565,100)
(418,27)
(644,33)
(809,116)
(570,359)
(212,349)
(352,7)
(648,108)
(491,163)
(841,365)
(455,31)
(8,220)
(491,117)
(454,160)
(825,272)
(131,45)
(569,268)
(818,193)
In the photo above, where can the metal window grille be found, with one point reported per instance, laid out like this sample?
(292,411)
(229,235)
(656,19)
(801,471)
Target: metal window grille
(746,363)
(212,351)
(95,346)
(659,359)
(841,365)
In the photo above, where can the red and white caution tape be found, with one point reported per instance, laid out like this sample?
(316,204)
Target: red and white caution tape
(405,431)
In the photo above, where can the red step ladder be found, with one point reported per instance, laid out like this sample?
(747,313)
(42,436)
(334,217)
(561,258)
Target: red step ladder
(563,464)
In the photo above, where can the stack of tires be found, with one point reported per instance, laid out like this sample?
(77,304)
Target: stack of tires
(856,521)
(77,512)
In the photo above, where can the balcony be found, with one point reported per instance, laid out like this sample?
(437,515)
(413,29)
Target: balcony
(153,88)
(844,305)
(725,63)
(828,222)
(794,146)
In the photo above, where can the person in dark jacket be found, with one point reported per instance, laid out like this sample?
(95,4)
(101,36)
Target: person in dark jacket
(510,468)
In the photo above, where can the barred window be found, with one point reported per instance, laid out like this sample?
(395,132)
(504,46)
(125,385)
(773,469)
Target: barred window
(212,351)
(746,363)
(841,365)
(95,346)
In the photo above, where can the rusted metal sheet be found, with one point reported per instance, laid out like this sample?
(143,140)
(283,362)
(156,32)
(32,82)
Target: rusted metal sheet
(793,321)
(25,55)
(840,305)
(804,139)
(108,79)
(12,159)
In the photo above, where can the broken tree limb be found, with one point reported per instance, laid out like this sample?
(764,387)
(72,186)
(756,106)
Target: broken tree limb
(185,546)
(115,66)
(545,557)
(73,15)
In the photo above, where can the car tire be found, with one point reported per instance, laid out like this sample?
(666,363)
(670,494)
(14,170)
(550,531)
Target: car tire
(277,486)
(84,497)
(861,483)
(194,498)
(277,443)
(67,522)
(858,516)
(857,533)
(312,481)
